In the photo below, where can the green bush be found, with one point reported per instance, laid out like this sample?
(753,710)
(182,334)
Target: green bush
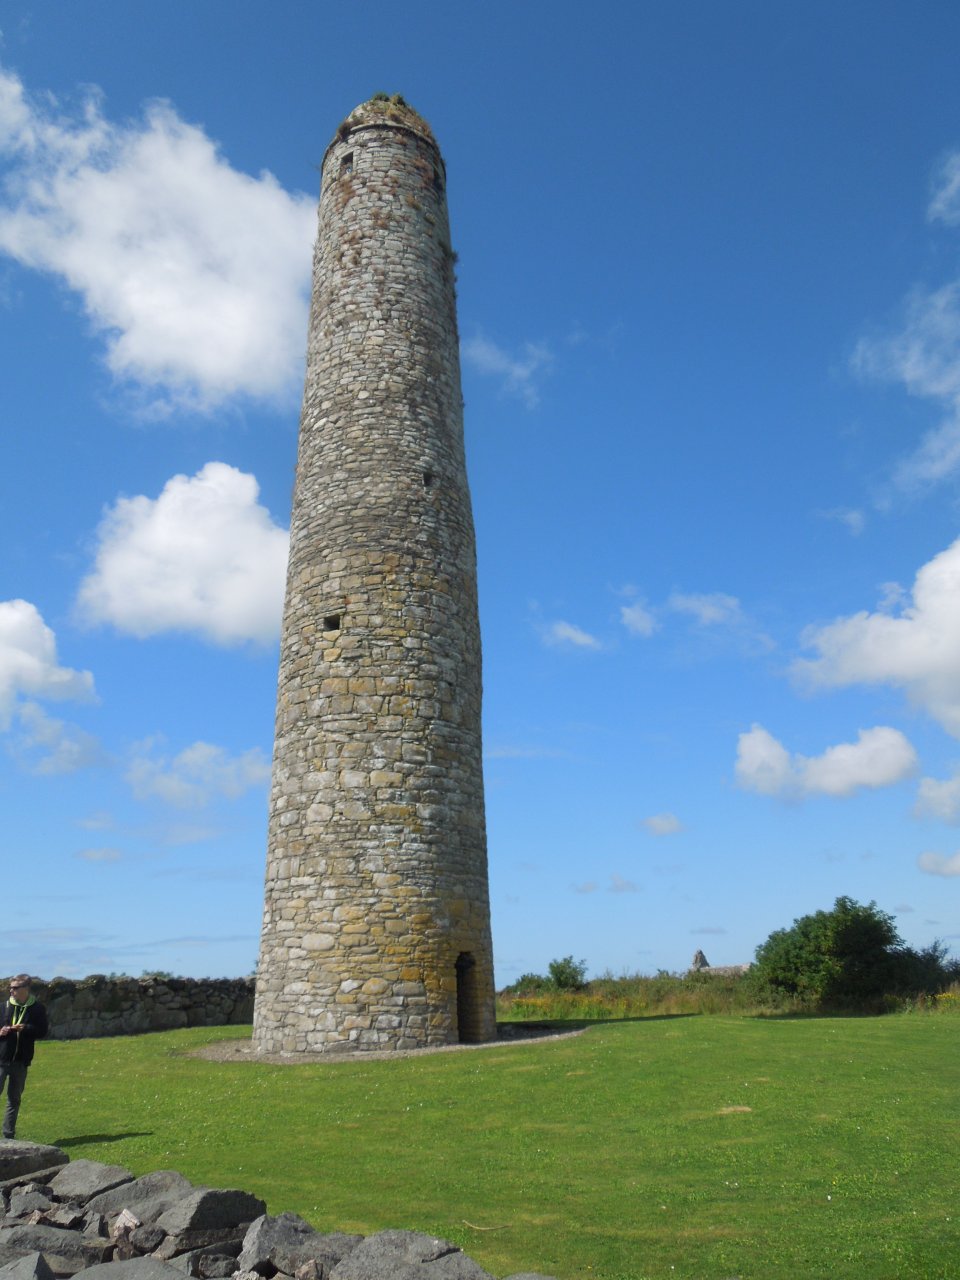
(529,984)
(850,957)
(568,974)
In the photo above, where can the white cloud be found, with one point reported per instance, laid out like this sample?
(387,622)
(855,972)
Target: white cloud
(588,886)
(519,375)
(99,855)
(763,763)
(28,661)
(938,798)
(65,747)
(203,557)
(935,864)
(880,757)
(101,820)
(638,619)
(852,517)
(197,775)
(619,885)
(663,824)
(923,354)
(916,649)
(925,357)
(566,634)
(197,275)
(709,609)
(945,202)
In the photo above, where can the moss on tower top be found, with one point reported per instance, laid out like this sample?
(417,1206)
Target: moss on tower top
(391,110)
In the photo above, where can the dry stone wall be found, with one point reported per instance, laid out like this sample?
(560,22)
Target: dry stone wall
(376,929)
(101,1006)
(60,1218)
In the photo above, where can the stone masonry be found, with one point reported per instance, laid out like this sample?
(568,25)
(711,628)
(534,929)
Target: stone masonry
(61,1218)
(376,929)
(115,1006)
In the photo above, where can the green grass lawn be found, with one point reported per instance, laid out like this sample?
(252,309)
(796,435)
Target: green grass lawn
(705,1147)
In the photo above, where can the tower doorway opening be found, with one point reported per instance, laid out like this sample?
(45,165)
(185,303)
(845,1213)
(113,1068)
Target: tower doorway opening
(469,1030)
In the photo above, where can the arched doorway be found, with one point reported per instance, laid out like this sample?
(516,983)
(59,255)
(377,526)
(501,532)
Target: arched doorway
(468,1028)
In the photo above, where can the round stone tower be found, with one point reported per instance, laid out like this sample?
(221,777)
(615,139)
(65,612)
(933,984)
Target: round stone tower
(376,925)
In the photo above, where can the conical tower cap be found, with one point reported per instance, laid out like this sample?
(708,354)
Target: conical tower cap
(382,109)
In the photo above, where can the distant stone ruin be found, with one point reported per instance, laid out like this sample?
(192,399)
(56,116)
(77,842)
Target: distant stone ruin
(700,964)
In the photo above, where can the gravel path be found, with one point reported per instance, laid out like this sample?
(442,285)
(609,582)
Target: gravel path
(507,1035)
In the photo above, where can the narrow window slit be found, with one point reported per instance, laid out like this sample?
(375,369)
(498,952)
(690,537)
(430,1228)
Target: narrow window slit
(331,622)
(346,163)
(427,479)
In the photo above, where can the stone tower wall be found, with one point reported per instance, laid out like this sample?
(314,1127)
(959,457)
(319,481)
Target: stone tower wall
(376,929)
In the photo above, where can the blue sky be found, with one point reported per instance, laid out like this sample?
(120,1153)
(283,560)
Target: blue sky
(709,300)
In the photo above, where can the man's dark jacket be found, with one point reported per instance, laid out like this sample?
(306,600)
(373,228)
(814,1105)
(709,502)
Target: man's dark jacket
(18,1046)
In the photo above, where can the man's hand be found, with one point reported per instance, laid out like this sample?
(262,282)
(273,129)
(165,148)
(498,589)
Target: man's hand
(5,1031)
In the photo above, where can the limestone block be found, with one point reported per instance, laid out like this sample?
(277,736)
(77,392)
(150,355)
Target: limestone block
(66,1252)
(207,1208)
(82,1179)
(286,1243)
(32,1266)
(23,1158)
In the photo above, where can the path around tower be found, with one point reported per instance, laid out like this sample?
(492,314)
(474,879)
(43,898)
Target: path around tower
(514,1034)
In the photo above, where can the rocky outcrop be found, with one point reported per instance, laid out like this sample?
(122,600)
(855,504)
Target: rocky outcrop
(101,1006)
(62,1219)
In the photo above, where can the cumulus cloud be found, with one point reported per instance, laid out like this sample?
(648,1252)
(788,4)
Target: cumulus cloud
(880,757)
(763,763)
(939,798)
(204,557)
(64,748)
(710,609)
(196,776)
(196,275)
(28,661)
(519,375)
(913,647)
(638,619)
(935,864)
(663,824)
(565,634)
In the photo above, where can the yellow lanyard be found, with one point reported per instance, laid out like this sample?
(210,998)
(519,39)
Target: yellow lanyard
(18,1011)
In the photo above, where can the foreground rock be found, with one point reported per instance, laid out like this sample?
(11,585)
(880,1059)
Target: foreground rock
(59,1219)
(19,1158)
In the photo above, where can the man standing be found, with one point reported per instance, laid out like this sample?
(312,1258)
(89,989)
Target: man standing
(24,1021)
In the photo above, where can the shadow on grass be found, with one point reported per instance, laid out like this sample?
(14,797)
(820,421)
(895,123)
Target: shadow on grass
(817,1015)
(84,1138)
(556,1026)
